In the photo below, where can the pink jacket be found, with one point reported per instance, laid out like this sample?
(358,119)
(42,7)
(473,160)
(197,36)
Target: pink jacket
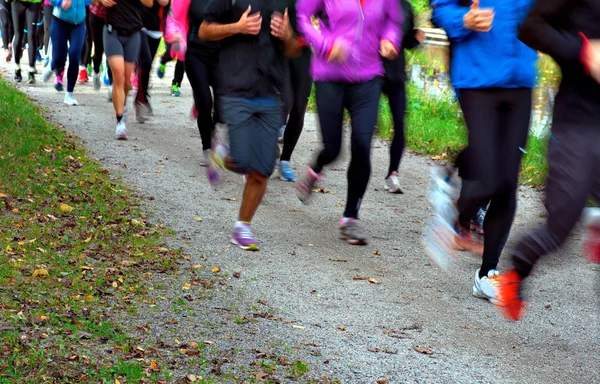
(177,28)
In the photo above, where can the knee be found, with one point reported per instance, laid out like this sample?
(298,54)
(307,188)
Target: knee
(330,152)
(361,146)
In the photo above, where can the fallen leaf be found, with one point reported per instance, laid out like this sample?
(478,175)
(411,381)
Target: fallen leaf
(117,381)
(197,266)
(2,195)
(198,218)
(114,284)
(208,342)
(298,327)
(383,381)
(237,275)
(359,277)
(154,366)
(216,270)
(343,329)
(187,286)
(65,208)
(440,157)
(377,253)
(426,351)
(373,281)
(40,272)
(191,378)
(193,344)
(260,375)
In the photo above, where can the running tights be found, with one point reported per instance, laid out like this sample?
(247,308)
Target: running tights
(179,66)
(86,52)
(396,92)
(47,24)
(25,17)
(67,37)
(362,101)
(148,48)
(301,85)
(96,25)
(498,123)
(202,71)
(6,25)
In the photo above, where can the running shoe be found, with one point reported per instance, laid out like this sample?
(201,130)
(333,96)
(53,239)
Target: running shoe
(392,183)
(281,134)
(487,287)
(194,113)
(510,295)
(307,183)
(18,77)
(591,243)
(285,171)
(105,78)
(97,82)
(149,105)
(39,57)
(216,163)
(121,131)
(47,74)
(351,232)
(31,78)
(205,158)
(175,91)
(109,94)
(464,240)
(160,72)
(70,99)
(141,112)
(9,55)
(83,76)
(243,237)
(58,83)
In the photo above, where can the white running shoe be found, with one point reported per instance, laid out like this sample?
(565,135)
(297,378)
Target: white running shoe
(47,74)
(70,99)
(205,157)
(97,82)
(392,183)
(487,287)
(121,133)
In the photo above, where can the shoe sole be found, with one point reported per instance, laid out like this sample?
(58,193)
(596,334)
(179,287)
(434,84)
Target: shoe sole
(354,241)
(251,247)
(284,178)
(482,296)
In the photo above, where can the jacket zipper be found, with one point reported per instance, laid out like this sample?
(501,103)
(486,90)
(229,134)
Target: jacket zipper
(358,40)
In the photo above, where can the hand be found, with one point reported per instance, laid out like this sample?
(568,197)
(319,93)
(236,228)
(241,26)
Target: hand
(249,24)
(594,58)
(280,26)
(387,50)
(66,4)
(479,20)
(420,36)
(109,3)
(338,54)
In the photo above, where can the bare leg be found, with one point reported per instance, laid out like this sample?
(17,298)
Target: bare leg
(253,194)
(117,67)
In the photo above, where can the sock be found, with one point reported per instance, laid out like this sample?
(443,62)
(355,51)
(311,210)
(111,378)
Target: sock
(239,224)
(17,66)
(31,70)
(119,118)
(345,220)
(485,268)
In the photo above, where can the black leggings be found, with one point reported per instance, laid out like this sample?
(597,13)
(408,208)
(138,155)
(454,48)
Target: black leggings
(362,101)
(25,16)
(498,124)
(47,23)
(202,70)
(148,48)
(96,25)
(179,66)
(301,85)
(86,52)
(396,92)
(6,25)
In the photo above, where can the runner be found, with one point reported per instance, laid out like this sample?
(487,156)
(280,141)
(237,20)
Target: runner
(6,28)
(47,15)
(251,89)
(67,35)
(347,69)
(122,47)
(25,17)
(394,87)
(150,40)
(301,84)
(561,28)
(179,70)
(86,52)
(493,73)
(97,20)
(203,65)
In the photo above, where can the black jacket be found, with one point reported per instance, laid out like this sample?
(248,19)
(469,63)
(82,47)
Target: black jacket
(554,27)
(395,70)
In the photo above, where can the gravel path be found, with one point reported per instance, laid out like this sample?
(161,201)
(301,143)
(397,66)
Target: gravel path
(301,282)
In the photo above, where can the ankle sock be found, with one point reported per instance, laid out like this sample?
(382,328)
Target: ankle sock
(239,224)
(485,268)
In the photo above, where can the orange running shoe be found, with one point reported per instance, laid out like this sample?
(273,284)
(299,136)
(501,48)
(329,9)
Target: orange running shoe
(509,294)
(463,241)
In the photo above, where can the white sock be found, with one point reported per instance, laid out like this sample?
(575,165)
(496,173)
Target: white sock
(345,220)
(17,66)
(239,224)
(31,70)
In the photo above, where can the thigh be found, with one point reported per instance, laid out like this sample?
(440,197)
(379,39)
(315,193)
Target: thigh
(32,16)
(362,101)
(76,41)
(145,56)
(59,36)
(264,139)
(153,44)
(131,47)
(5,14)
(18,18)
(301,81)
(112,45)
(238,116)
(198,74)
(330,108)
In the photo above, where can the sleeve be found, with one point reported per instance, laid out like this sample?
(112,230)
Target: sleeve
(321,40)
(449,15)
(539,33)
(218,11)
(392,30)
(196,12)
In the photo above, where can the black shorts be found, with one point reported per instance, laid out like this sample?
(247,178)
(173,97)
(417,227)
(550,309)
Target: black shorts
(253,132)
(127,46)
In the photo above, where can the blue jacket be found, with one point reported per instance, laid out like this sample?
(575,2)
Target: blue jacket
(494,59)
(75,14)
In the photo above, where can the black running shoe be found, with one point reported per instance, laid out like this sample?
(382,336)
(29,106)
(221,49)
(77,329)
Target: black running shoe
(31,79)
(18,77)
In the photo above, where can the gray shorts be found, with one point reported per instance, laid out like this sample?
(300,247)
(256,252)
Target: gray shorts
(253,131)
(126,46)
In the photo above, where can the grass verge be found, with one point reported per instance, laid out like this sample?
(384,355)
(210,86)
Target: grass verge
(74,251)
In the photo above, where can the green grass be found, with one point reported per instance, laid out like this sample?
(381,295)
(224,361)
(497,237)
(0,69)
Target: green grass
(74,251)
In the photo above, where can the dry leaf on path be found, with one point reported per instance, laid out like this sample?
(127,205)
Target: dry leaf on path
(343,329)
(260,375)
(298,327)
(373,281)
(426,351)
(216,270)
(154,366)
(198,218)
(40,272)
(65,208)
(191,378)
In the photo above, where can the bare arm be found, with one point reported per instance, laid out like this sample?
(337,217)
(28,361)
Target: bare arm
(216,31)
(147,3)
(163,3)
